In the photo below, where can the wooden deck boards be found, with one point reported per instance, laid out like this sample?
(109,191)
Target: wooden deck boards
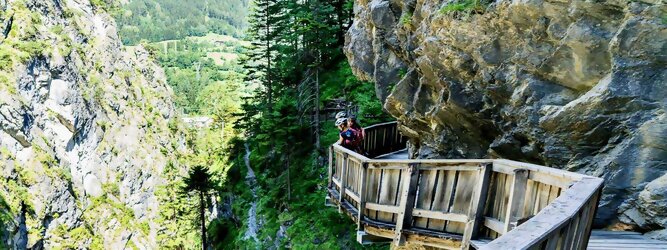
(607,240)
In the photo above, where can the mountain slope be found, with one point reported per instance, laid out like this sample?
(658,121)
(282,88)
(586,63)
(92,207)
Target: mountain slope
(87,129)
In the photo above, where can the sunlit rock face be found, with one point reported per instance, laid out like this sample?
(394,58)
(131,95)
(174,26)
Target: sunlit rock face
(84,133)
(576,85)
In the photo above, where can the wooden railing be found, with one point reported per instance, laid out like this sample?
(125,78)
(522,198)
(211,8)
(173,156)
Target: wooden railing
(458,204)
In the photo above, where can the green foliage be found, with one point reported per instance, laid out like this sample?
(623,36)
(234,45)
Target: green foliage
(198,180)
(160,20)
(193,74)
(464,6)
(406,19)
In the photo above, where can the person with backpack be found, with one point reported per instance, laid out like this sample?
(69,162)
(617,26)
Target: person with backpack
(359,132)
(347,136)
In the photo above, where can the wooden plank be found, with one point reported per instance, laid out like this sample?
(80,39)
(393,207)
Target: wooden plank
(439,215)
(443,198)
(433,161)
(425,194)
(552,242)
(595,204)
(550,219)
(516,199)
(373,190)
(583,223)
(336,182)
(352,195)
(464,194)
(453,187)
(570,233)
(389,186)
(450,168)
(542,169)
(447,196)
(397,195)
(502,168)
(362,196)
(381,207)
(475,214)
(550,180)
(553,193)
(499,199)
(343,179)
(531,198)
(543,194)
(494,224)
(407,200)
(329,183)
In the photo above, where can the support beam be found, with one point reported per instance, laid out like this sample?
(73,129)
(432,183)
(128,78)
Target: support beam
(331,152)
(404,219)
(343,180)
(362,196)
(516,199)
(365,238)
(477,204)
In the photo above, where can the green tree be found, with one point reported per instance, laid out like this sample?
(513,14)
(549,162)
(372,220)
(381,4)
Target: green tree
(199,181)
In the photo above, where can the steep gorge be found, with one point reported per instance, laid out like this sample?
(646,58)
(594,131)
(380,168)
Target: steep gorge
(88,131)
(577,85)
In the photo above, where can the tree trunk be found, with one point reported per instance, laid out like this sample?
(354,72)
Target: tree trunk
(202,216)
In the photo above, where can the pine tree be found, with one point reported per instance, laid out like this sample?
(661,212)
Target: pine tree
(199,181)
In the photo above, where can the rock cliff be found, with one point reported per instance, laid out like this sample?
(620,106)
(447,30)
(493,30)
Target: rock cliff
(576,85)
(87,127)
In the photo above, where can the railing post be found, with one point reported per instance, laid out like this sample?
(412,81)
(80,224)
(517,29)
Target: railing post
(330,182)
(516,199)
(408,194)
(343,180)
(362,196)
(477,204)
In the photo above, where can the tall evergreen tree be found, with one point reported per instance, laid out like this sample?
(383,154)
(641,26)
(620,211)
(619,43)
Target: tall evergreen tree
(199,181)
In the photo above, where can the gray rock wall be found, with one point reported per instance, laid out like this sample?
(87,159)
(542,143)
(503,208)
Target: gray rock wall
(84,133)
(576,85)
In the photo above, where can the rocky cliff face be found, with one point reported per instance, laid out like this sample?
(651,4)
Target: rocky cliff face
(85,130)
(577,85)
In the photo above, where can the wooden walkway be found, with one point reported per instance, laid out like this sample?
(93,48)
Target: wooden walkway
(466,203)
(611,240)
(605,240)
(599,240)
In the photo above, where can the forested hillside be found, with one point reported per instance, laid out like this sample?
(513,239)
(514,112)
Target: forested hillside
(296,58)
(198,67)
(159,20)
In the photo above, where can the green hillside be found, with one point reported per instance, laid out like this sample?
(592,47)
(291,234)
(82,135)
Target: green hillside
(159,20)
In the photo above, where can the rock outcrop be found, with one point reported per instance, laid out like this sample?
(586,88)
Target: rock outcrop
(86,130)
(576,85)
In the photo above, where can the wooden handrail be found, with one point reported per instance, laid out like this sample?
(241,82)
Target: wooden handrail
(449,203)
(561,212)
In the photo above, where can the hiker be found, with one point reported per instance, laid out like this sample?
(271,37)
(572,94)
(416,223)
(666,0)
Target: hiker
(352,123)
(359,133)
(347,136)
(340,115)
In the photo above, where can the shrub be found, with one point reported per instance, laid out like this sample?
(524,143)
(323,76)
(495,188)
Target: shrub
(467,6)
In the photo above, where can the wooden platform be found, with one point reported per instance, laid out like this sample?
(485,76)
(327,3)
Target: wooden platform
(457,203)
(609,240)
(622,240)
(600,239)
